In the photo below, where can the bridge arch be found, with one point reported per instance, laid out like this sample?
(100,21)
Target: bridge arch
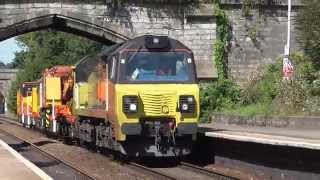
(106,35)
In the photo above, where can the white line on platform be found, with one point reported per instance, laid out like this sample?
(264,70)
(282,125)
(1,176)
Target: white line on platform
(30,165)
(268,139)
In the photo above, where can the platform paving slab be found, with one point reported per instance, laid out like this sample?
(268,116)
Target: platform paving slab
(302,138)
(16,167)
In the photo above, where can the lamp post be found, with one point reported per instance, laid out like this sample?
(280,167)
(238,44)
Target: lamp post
(287,65)
(287,47)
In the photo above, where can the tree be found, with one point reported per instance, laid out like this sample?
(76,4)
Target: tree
(2,65)
(18,61)
(308,25)
(45,49)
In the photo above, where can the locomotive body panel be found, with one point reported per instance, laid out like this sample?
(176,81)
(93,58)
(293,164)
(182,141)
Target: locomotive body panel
(140,97)
(35,102)
(53,88)
(160,102)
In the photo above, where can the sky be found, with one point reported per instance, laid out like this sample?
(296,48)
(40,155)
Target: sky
(7,50)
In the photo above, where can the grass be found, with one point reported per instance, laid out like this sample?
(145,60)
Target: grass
(251,110)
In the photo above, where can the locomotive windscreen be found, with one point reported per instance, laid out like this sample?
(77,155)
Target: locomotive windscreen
(157,67)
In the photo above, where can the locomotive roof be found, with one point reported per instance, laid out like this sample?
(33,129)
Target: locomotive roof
(30,83)
(137,44)
(143,43)
(26,85)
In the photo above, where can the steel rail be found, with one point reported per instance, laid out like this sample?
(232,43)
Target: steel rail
(150,171)
(201,170)
(131,165)
(139,167)
(49,155)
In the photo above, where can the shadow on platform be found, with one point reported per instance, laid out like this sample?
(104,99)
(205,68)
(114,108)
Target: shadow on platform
(42,143)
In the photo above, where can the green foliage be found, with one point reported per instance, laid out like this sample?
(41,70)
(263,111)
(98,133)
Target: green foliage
(308,25)
(291,97)
(217,96)
(223,93)
(250,110)
(262,87)
(300,96)
(45,49)
(222,42)
(267,94)
(2,65)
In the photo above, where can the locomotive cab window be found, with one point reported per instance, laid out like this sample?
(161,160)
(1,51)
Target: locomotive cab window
(157,67)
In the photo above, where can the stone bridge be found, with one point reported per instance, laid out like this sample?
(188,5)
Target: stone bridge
(112,21)
(6,77)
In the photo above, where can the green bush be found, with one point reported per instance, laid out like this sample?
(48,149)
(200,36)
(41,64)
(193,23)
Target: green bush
(308,28)
(217,96)
(267,94)
(291,98)
(263,86)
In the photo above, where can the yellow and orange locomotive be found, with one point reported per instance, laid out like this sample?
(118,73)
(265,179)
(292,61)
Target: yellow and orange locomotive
(140,98)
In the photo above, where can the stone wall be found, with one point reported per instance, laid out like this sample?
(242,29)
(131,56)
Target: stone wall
(258,38)
(197,31)
(107,20)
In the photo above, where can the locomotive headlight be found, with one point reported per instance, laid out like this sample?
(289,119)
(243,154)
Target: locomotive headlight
(133,107)
(155,40)
(187,104)
(130,104)
(184,107)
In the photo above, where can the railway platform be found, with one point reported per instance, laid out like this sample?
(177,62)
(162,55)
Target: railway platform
(308,138)
(16,167)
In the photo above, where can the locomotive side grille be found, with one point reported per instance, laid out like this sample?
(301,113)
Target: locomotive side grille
(154,104)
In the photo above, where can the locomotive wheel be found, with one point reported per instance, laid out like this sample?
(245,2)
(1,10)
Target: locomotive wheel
(92,146)
(64,131)
(81,142)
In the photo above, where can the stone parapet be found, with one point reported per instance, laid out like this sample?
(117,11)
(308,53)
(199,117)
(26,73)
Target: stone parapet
(264,121)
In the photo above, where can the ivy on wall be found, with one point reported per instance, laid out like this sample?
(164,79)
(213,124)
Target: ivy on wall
(222,42)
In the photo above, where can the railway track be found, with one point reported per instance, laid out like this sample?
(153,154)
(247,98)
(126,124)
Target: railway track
(150,171)
(215,175)
(33,149)
(182,170)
